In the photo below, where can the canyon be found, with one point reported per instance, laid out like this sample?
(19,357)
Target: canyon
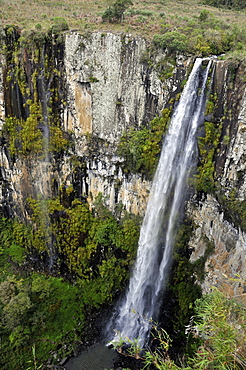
(96,87)
(108,87)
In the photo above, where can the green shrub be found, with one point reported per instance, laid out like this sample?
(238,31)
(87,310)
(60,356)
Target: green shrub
(201,35)
(204,15)
(24,136)
(115,12)
(174,41)
(141,148)
(42,311)
(208,145)
(38,26)
(60,24)
(94,249)
(219,323)
(236,4)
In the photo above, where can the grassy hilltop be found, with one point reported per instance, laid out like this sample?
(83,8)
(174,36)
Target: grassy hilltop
(196,22)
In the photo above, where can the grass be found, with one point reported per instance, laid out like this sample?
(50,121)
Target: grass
(143,18)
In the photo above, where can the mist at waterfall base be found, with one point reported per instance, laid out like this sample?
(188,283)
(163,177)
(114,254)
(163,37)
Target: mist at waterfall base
(135,313)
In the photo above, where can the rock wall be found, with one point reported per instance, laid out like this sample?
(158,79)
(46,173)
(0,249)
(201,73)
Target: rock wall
(225,266)
(2,105)
(107,178)
(109,87)
(234,170)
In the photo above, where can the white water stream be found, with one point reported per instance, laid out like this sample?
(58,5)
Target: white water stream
(167,197)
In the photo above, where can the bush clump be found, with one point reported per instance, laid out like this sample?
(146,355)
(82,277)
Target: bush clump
(115,12)
(141,148)
(60,24)
(230,4)
(173,41)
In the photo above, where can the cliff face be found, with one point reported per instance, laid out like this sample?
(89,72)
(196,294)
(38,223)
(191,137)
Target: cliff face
(213,216)
(110,86)
(108,89)
(105,84)
(2,111)
(227,261)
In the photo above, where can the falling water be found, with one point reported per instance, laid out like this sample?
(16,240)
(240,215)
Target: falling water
(44,88)
(141,304)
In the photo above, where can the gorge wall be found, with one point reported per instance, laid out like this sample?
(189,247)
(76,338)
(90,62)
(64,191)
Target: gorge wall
(96,86)
(213,214)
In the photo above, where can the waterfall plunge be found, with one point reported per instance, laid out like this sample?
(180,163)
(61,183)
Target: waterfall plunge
(132,319)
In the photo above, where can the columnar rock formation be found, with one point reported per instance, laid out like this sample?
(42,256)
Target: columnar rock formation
(109,86)
(108,89)
(212,220)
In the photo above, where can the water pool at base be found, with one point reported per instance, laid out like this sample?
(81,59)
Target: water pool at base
(97,357)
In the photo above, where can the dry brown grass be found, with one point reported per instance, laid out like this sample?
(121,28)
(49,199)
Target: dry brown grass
(86,14)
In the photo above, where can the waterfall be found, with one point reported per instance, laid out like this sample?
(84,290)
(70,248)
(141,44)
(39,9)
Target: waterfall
(44,90)
(133,316)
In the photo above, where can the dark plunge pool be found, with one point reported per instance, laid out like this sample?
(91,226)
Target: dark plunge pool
(97,357)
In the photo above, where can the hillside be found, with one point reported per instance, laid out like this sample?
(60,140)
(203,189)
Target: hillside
(197,22)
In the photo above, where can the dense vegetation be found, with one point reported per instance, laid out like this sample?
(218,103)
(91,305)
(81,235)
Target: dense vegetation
(116,12)
(219,329)
(40,308)
(140,148)
(237,4)
(34,97)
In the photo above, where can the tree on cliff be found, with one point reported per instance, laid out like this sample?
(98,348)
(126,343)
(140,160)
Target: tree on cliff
(115,12)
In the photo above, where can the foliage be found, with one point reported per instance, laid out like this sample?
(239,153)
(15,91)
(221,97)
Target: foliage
(15,241)
(32,37)
(219,323)
(24,136)
(208,145)
(237,4)
(201,36)
(60,24)
(173,41)
(115,12)
(141,148)
(58,141)
(34,366)
(34,100)
(40,310)
(165,68)
(159,357)
(46,311)
(83,241)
